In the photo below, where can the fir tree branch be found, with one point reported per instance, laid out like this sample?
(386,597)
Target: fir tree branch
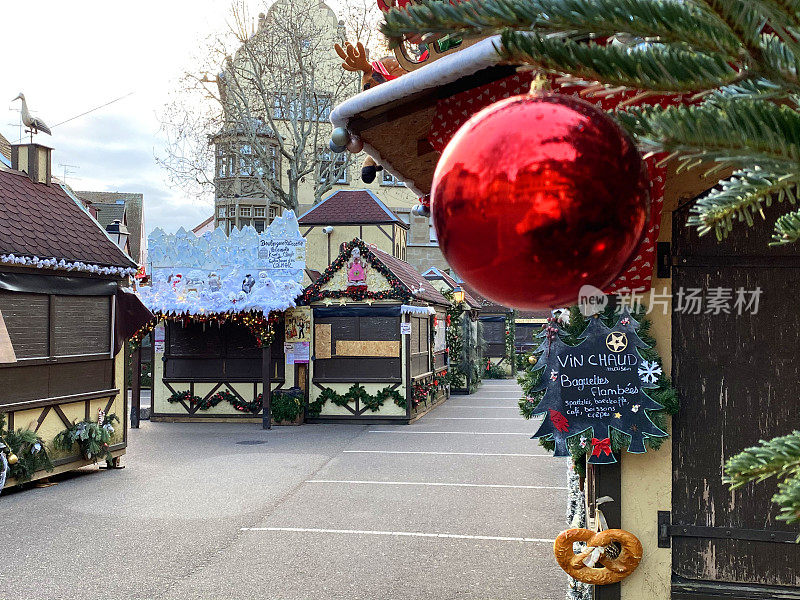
(787,229)
(748,89)
(656,20)
(740,198)
(779,458)
(742,19)
(656,68)
(745,132)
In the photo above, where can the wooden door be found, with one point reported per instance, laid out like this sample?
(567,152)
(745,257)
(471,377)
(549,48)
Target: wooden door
(737,377)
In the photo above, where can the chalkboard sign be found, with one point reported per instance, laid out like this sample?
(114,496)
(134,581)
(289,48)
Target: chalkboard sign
(597,385)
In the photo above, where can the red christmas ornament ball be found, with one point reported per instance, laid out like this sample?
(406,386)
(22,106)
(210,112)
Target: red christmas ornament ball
(536,196)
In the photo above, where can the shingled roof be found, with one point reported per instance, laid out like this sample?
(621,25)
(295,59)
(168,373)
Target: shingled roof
(435,273)
(44,221)
(410,277)
(350,207)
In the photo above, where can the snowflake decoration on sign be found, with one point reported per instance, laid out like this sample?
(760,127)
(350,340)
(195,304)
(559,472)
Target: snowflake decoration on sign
(553,374)
(649,371)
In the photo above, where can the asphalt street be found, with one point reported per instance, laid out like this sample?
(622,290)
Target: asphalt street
(459,505)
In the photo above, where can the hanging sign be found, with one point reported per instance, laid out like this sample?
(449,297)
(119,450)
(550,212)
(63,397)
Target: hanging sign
(302,352)
(297,324)
(158,339)
(276,253)
(597,386)
(405,328)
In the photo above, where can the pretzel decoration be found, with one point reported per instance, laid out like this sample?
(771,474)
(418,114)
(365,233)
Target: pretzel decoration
(600,563)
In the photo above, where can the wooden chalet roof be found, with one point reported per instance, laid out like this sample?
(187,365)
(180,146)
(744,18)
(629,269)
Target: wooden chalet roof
(348,207)
(411,278)
(394,119)
(411,281)
(43,220)
(435,273)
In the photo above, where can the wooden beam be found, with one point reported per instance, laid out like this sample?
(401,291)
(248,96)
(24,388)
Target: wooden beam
(606,480)
(136,387)
(266,393)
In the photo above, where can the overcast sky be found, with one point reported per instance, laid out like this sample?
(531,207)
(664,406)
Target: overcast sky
(70,57)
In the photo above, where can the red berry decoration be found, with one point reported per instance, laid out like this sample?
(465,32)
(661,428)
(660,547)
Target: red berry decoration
(536,196)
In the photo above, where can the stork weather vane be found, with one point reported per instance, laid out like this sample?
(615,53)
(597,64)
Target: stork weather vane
(34,124)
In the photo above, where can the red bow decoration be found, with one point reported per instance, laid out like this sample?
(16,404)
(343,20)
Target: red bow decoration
(601,446)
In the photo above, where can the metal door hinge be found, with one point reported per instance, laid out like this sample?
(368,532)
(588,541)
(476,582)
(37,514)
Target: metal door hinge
(667,530)
(663,260)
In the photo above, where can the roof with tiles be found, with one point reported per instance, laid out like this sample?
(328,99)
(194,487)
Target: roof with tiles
(434,273)
(44,221)
(350,207)
(108,213)
(410,277)
(5,150)
(132,204)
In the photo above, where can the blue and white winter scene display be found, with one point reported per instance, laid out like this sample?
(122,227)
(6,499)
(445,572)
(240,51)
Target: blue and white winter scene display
(216,273)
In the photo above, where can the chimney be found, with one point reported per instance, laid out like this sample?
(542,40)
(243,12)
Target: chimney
(33,159)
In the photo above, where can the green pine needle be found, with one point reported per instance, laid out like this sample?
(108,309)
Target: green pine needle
(778,458)
(740,198)
(787,229)
(655,67)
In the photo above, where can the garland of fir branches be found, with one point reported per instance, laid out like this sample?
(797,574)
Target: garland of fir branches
(30,450)
(664,393)
(356,392)
(93,438)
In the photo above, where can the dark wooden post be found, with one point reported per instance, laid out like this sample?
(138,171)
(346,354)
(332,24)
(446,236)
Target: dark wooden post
(136,387)
(606,480)
(406,341)
(266,379)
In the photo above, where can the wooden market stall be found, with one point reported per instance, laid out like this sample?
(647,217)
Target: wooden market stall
(379,339)
(718,543)
(464,340)
(221,328)
(63,322)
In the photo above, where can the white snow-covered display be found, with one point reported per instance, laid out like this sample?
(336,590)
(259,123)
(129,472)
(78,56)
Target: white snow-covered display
(216,273)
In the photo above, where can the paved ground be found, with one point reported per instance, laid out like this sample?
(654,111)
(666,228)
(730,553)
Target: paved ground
(460,505)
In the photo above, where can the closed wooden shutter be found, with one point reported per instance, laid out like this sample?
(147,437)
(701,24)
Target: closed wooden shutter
(82,325)
(27,320)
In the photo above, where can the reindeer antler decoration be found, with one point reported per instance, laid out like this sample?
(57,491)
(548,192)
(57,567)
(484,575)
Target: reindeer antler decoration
(354,57)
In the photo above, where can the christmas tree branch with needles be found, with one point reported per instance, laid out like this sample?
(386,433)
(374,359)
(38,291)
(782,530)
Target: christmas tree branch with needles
(739,60)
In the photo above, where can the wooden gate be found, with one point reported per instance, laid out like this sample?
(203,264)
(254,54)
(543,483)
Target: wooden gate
(737,376)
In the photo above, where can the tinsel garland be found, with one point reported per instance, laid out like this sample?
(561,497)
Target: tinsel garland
(574,323)
(576,518)
(92,437)
(356,392)
(262,328)
(30,449)
(399,291)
